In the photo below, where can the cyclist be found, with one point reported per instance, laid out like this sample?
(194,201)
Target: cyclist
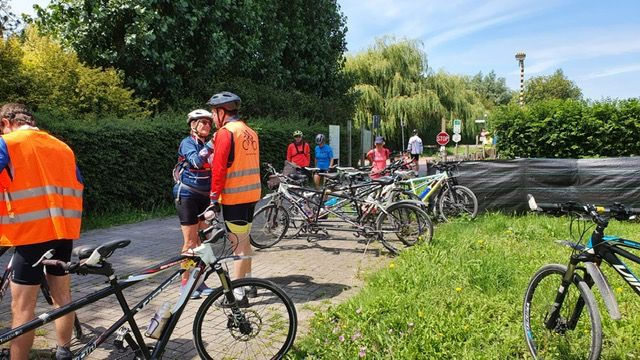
(324,157)
(40,209)
(235,179)
(192,176)
(378,157)
(299,151)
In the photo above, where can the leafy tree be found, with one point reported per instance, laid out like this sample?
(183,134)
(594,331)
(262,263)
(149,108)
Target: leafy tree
(391,79)
(44,75)
(556,86)
(172,49)
(493,90)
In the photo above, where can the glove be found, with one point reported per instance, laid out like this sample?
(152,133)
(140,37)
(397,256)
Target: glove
(215,206)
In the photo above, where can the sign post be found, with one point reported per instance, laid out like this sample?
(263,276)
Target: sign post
(457,127)
(443,139)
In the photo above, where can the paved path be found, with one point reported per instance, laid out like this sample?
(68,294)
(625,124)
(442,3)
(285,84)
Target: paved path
(315,275)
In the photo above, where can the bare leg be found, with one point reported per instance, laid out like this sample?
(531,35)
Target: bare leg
(191,240)
(60,287)
(242,246)
(23,305)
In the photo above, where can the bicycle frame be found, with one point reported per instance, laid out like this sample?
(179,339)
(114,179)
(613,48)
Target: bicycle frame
(196,263)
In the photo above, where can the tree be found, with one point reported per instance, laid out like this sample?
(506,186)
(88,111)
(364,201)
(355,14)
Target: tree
(392,79)
(556,86)
(41,73)
(493,90)
(172,49)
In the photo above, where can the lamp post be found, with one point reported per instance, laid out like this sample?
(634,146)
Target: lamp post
(520,57)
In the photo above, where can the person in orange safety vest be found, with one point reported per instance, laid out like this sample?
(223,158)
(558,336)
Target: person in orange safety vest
(40,209)
(235,180)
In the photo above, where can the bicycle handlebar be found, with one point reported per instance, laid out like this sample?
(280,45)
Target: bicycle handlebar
(617,210)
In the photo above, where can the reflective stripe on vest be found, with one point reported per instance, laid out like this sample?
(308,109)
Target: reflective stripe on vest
(242,183)
(43,201)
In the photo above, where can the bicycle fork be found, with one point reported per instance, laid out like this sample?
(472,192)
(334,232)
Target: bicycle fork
(553,320)
(236,319)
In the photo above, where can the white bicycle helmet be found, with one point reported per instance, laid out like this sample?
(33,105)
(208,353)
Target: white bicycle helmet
(319,138)
(199,114)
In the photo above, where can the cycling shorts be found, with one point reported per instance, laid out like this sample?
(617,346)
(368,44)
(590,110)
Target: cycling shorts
(238,218)
(27,255)
(190,207)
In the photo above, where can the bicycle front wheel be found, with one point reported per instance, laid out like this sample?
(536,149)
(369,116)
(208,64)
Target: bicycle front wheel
(403,225)
(577,331)
(270,224)
(456,201)
(263,327)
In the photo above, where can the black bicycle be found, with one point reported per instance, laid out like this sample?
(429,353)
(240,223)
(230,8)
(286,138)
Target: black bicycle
(263,327)
(560,314)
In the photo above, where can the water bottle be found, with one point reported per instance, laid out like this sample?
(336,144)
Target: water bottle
(331,202)
(425,192)
(159,321)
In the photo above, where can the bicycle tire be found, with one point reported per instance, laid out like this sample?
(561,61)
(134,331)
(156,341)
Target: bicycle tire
(397,219)
(560,342)
(272,315)
(270,224)
(457,201)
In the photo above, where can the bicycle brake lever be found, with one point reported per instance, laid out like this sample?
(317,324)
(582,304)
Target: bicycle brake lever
(48,255)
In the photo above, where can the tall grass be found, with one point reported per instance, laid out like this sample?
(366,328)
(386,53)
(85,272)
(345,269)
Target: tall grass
(460,297)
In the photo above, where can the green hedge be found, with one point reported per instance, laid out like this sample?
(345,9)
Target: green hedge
(569,129)
(127,164)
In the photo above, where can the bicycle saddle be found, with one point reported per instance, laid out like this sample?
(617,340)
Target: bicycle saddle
(332,176)
(385,180)
(297,177)
(105,250)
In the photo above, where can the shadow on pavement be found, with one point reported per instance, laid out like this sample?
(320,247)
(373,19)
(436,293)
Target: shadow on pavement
(302,288)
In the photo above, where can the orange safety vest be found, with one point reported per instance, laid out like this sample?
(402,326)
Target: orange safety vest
(242,184)
(43,201)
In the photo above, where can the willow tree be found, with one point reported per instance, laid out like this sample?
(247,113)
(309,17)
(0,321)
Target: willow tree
(392,79)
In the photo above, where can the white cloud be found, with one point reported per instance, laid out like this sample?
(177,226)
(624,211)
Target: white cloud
(613,71)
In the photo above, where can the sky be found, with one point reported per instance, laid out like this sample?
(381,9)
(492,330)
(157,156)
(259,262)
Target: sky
(596,43)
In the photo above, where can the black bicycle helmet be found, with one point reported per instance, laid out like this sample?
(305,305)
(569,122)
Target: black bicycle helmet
(226,100)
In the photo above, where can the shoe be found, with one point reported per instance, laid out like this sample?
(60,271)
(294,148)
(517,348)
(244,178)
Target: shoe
(196,294)
(251,292)
(223,303)
(204,290)
(63,353)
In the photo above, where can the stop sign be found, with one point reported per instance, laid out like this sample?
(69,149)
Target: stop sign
(442,138)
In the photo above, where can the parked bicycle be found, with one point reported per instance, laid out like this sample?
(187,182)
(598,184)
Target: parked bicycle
(442,194)
(561,319)
(224,327)
(358,207)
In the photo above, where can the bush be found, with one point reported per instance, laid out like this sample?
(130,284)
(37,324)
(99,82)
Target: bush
(568,129)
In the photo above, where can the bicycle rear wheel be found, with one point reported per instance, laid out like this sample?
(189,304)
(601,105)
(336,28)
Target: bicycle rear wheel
(576,333)
(262,329)
(270,224)
(457,201)
(403,225)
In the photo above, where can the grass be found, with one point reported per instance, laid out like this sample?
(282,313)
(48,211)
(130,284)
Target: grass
(126,216)
(460,297)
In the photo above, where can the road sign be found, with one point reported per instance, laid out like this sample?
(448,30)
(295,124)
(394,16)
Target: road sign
(376,121)
(456,137)
(457,126)
(442,138)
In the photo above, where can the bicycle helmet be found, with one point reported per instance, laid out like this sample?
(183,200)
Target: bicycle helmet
(226,100)
(198,114)
(297,133)
(319,139)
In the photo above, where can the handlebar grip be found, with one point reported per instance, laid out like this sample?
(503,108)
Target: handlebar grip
(67,267)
